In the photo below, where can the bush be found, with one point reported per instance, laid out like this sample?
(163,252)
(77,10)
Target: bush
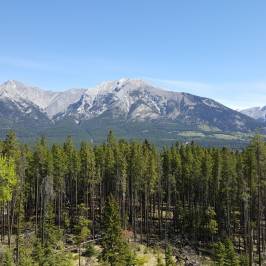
(141,260)
(243,259)
(159,260)
(7,258)
(90,251)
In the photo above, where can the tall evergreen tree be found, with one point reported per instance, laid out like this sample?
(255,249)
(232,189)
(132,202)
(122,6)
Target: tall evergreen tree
(114,247)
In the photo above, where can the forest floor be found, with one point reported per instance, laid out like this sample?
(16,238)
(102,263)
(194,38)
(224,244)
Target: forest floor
(149,256)
(146,256)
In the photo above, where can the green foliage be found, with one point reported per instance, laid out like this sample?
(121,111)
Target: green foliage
(219,253)
(38,252)
(48,256)
(51,253)
(243,260)
(60,259)
(52,234)
(130,257)
(8,178)
(90,250)
(231,257)
(7,258)
(195,193)
(169,261)
(211,225)
(159,261)
(141,260)
(115,250)
(225,254)
(81,227)
(25,253)
(65,220)
(10,146)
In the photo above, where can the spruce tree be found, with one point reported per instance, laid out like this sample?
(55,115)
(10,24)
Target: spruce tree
(231,258)
(115,250)
(219,254)
(81,227)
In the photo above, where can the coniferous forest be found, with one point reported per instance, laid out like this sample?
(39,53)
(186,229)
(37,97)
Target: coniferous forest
(60,203)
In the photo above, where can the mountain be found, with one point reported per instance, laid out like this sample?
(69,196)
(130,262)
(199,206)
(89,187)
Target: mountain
(135,100)
(29,110)
(258,113)
(49,102)
(18,112)
(132,108)
(61,101)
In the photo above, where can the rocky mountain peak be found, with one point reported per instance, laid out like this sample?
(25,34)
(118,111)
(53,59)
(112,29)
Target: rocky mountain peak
(127,100)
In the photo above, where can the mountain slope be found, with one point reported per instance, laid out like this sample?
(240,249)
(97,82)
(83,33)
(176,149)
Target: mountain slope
(17,90)
(132,108)
(258,113)
(48,101)
(135,100)
(23,117)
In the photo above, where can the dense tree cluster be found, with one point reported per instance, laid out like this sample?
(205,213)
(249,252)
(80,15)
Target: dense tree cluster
(202,195)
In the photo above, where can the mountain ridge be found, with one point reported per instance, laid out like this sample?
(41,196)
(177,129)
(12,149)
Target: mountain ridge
(129,106)
(49,101)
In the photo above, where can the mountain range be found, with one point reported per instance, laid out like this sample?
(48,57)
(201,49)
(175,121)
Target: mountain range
(132,108)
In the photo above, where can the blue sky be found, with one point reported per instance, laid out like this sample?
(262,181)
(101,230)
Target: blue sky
(210,48)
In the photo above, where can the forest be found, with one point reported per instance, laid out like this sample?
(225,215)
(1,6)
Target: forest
(62,205)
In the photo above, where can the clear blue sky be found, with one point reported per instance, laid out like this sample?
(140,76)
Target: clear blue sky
(211,48)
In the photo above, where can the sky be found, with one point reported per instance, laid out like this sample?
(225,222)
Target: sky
(215,49)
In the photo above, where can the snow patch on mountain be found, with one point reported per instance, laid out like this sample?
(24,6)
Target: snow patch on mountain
(134,99)
(126,99)
(258,113)
(48,101)
(16,90)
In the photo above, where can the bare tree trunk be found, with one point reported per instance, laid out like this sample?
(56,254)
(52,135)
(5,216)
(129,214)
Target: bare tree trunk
(8,225)
(36,204)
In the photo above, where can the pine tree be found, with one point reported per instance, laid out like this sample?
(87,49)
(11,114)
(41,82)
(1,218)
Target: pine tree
(10,146)
(219,254)
(211,225)
(81,227)
(72,174)
(115,250)
(59,172)
(88,180)
(198,193)
(231,258)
